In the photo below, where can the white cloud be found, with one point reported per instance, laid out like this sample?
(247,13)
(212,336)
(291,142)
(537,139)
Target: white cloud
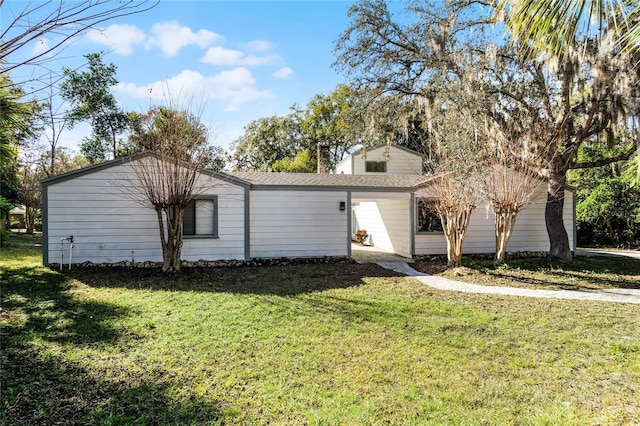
(259,46)
(234,87)
(230,57)
(170,37)
(41,46)
(285,72)
(120,38)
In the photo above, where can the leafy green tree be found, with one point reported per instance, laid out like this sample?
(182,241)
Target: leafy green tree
(335,120)
(219,159)
(444,53)
(610,215)
(607,201)
(91,99)
(303,162)
(5,209)
(16,125)
(94,149)
(267,140)
(550,27)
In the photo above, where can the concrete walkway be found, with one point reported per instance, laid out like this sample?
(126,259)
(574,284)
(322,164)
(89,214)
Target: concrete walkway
(401,264)
(612,295)
(607,252)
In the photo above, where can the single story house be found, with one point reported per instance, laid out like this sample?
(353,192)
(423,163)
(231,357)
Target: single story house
(244,215)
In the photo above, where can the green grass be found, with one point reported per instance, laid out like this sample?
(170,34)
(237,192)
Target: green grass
(310,344)
(584,273)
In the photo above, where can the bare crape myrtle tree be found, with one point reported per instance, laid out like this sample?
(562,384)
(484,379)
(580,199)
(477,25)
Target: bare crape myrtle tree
(176,143)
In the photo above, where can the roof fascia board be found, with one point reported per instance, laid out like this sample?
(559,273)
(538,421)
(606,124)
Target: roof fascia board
(330,188)
(373,148)
(91,169)
(123,160)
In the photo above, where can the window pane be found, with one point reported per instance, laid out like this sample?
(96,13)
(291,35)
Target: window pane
(204,217)
(428,220)
(376,166)
(189,222)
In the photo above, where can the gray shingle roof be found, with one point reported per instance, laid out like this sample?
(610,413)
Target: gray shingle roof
(400,182)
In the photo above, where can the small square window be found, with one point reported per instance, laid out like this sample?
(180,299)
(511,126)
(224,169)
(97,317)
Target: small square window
(201,218)
(375,166)
(428,220)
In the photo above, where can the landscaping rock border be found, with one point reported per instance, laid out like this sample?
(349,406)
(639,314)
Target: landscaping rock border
(126,264)
(488,256)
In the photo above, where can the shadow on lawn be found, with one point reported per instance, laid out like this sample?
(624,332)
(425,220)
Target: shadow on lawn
(41,389)
(39,386)
(287,280)
(584,273)
(52,313)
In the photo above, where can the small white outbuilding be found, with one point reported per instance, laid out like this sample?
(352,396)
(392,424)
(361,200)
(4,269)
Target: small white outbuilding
(244,216)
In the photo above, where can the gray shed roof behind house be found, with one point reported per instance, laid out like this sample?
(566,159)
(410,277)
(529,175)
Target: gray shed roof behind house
(313,180)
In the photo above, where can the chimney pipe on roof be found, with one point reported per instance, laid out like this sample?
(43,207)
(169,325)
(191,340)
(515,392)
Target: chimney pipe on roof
(324,162)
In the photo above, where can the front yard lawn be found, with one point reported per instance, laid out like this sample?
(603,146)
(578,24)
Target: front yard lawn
(310,344)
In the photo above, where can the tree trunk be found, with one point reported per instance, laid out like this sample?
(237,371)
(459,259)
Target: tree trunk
(504,224)
(559,248)
(170,221)
(455,224)
(30,219)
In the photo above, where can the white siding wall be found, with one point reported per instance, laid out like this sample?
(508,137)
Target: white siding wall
(231,227)
(399,161)
(530,233)
(369,218)
(344,166)
(387,221)
(100,212)
(298,224)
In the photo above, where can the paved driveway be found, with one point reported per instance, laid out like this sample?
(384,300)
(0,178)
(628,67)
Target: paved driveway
(607,252)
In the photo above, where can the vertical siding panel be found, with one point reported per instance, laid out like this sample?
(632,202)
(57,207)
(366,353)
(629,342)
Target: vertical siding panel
(399,161)
(298,223)
(370,219)
(99,210)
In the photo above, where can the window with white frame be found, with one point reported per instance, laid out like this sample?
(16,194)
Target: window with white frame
(201,217)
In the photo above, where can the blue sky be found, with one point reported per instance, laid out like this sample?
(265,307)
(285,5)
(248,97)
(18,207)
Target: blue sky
(243,60)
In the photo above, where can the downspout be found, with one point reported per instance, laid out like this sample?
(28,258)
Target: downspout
(247,223)
(349,215)
(412,224)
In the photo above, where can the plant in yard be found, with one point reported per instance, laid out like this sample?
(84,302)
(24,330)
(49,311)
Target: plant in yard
(5,208)
(509,183)
(361,236)
(454,199)
(167,178)
(455,192)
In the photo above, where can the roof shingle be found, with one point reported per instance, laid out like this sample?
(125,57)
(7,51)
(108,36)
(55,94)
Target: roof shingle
(400,182)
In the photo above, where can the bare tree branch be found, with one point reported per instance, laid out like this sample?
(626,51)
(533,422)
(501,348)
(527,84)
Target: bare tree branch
(61,21)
